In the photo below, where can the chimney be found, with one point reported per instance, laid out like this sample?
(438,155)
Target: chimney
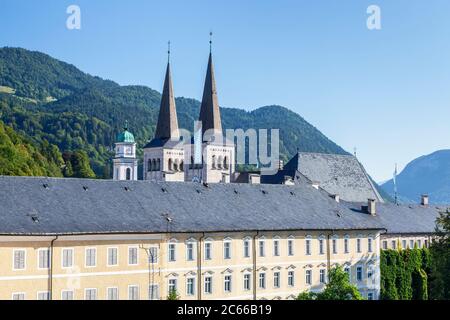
(315,184)
(372,207)
(336,197)
(425,200)
(254,178)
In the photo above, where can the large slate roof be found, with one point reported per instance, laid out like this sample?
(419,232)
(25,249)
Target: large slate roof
(336,174)
(34,205)
(405,219)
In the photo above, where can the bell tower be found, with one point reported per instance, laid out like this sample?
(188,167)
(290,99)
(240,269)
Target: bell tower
(125,164)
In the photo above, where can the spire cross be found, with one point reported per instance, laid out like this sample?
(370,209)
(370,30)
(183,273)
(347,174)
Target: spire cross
(210,41)
(168,51)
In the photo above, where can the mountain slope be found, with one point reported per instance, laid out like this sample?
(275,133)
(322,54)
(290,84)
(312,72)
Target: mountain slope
(428,174)
(48,99)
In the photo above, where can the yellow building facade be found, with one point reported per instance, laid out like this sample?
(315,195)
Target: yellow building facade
(225,265)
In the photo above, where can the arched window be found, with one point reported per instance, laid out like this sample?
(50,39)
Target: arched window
(175,165)
(170,164)
(158,164)
(182,165)
(219,162)
(149,165)
(128,174)
(225,162)
(213,162)
(154,165)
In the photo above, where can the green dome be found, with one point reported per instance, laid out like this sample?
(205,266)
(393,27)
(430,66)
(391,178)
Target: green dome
(125,136)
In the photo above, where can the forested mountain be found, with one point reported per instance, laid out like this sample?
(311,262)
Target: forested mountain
(429,174)
(51,101)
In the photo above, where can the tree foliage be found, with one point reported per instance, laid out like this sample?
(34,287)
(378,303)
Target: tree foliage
(337,288)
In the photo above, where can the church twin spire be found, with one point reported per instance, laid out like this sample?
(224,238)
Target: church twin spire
(167,126)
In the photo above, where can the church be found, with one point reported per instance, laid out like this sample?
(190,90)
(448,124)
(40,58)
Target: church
(196,228)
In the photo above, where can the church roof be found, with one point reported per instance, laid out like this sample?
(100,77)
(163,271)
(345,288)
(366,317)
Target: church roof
(209,109)
(39,206)
(167,126)
(337,174)
(125,135)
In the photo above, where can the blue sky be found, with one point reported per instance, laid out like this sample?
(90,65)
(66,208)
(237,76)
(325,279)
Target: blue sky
(385,92)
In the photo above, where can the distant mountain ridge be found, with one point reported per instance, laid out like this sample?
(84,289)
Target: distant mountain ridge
(429,174)
(47,99)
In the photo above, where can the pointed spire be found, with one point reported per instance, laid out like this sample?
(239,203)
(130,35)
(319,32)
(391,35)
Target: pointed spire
(209,110)
(167,127)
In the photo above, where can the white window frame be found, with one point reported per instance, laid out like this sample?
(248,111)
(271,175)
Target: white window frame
(277,276)
(262,280)
(88,289)
(24,259)
(190,242)
(85,258)
(158,296)
(66,291)
(246,250)
(193,286)
(249,275)
(346,244)
(72,260)
(18,293)
(172,242)
(210,284)
(230,283)
(262,247)
(210,244)
(43,292)
(322,272)
(291,275)
(107,293)
(359,267)
(276,247)
(225,242)
(39,258)
(334,244)
(359,244)
(137,255)
(138,293)
(117,257)
(176,284)
(308,271)
(321,245)
(308,249)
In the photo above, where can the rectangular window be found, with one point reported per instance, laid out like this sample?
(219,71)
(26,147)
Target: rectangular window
(67,295)
(132,255)
(308,277)
(321,251)
(308,247)
(172,285)
(411,244)
(419,244)
(345,245)
(347,271)
(18,296)
(290,247)
(227,283)
(246,248)
(291,280)
(369,244)
(44,258)
(44,295)
(153,292)
(190,286)
(404,245)
(90,259)
(276,248)
(334,246)
(208,285)
(358,245)
(385,245)
(425,242)
(112,294)
(227,250)
(276,279)
(19,259)
(153,255)
(172,252)
(370,296)
(261,248)
(190,251)
(112,256)
(67,258)
(207,250)
(370,273)
(262,280)
(90,294)
(359,273)
(247,278)
(322,275)
(394,244)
